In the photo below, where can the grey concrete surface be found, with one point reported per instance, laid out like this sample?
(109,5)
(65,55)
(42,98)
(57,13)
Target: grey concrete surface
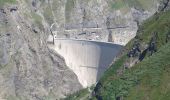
(87,59)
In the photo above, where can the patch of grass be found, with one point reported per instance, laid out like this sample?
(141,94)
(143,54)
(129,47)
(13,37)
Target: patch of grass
(37,19)
(118,4)
(77,96)
(12,98)
(154,82)
(69,7)
(158,23)
(141,4)
(145,76)
(51,96)
(113,69)
(48,15)
(2,2)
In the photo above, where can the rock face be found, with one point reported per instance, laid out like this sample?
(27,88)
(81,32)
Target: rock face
(96,19)
(164,5)
(29,70)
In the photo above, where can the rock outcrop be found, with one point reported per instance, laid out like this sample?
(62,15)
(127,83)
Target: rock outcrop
(29,69)
(164,5)
(94,19)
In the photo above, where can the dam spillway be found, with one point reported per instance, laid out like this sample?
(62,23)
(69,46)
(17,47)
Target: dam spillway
(87,59)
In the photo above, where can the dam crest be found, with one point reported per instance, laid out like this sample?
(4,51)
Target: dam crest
(86,58)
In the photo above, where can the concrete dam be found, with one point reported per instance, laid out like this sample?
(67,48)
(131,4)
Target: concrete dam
(87,59)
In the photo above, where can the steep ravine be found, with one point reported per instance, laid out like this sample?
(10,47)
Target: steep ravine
(29,70)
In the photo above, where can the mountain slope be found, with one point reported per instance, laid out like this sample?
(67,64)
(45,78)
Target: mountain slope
(148,79)
(28,68)
(131,79)
(154,82)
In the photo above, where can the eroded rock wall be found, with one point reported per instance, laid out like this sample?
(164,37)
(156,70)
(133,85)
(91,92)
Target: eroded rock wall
(29,70)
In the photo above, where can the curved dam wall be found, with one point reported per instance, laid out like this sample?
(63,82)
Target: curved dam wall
(87,59)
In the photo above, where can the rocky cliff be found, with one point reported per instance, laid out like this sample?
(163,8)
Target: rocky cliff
(29,70)
(93,19)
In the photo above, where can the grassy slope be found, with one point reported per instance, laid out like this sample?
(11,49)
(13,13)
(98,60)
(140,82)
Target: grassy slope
(139,4)
(2,2)
(148,79)
(79,95)
(69,7)
(154,83)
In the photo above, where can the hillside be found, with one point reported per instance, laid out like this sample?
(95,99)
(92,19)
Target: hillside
(30,70)
(148,79)
(131,79)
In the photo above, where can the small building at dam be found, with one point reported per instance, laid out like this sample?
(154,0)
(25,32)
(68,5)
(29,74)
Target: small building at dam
(87,59)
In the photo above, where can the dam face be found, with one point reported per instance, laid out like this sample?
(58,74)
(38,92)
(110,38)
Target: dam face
(87,59)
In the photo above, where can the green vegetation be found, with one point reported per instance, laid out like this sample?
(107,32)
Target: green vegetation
(12,98)
(113,69)
(146,76)
(69,6)
(138,4)
(149,78)
(135,3)
(2,2)
(48,15)
(77,96)
(141,4)
(159,23)
(50,96)
(37,19)
(118,4)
